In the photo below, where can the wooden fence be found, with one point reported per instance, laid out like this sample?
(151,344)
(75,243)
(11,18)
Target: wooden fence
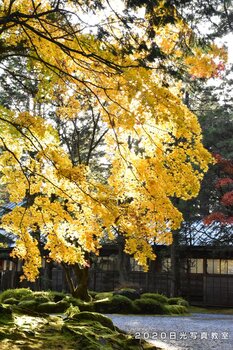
(199,289)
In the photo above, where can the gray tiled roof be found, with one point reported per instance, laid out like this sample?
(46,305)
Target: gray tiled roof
(7,207)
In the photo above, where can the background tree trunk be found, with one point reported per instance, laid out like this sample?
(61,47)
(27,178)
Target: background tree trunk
(175,266)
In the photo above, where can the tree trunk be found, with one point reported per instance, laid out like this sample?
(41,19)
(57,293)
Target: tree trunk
(77,280)
(122,261)
(81,291)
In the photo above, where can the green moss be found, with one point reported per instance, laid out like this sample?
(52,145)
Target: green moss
(210,310)
(94,316)
(103,295)
(149,306)
(83,306)
(44,294)
(115,304)
(48,307)
(103,306)
(57,296)
(15,293)
(41,299)
(178,301)
(130,293)
(121,304)
(155,296)
(52,307)
(5,314)
(92,293)
(61,306)
(176,309)
(72,310)
(49,332)
(28,297)
(28,304)
(11,301)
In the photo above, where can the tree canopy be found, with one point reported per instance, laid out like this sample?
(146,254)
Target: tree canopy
(123,71)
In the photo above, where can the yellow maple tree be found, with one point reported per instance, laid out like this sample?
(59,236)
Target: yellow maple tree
(135,98)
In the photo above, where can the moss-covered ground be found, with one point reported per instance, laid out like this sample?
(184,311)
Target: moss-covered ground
(27,319)
(210,310)
(125,301)
(90,331)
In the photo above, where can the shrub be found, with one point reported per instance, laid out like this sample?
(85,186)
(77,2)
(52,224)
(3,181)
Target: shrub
(129,293)
(103,295)
(121,304)
(149,306)
(117,304)
(15,293)
(94,317)
(103,306)
(178,301)
(176,309)
(11,301)
(155,296)
(28,304)
(83,306)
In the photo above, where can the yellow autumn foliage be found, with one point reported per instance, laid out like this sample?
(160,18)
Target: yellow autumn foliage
(65,202)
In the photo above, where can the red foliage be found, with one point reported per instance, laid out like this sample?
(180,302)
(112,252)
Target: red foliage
(229,220)
(227,199)
(216,216)
(224,182)
(226,165)
(218,157)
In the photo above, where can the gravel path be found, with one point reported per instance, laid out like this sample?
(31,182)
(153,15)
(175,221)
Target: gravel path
(195,332)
